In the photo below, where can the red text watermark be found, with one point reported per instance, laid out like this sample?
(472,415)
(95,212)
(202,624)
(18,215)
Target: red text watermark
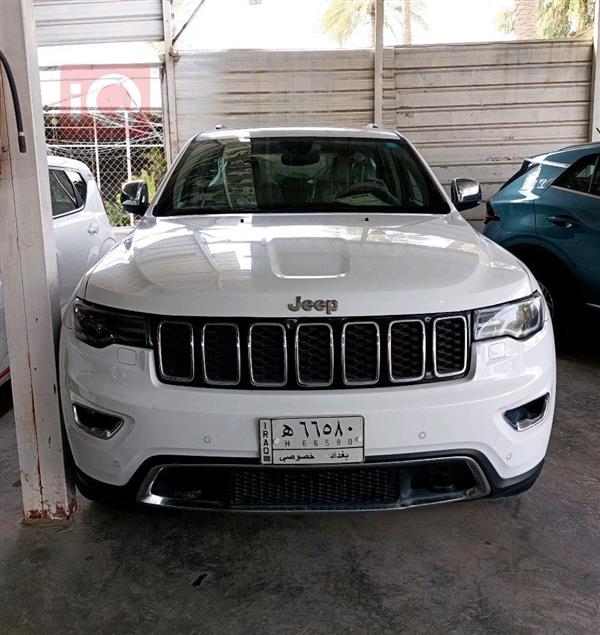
(104,88)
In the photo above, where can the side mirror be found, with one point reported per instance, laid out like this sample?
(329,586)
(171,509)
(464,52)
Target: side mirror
(134,197)
(465,194)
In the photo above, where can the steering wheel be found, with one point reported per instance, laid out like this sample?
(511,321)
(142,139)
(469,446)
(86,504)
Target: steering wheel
(379,189)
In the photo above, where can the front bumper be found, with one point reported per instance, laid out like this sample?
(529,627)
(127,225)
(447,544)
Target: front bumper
(248,486)
(179,424)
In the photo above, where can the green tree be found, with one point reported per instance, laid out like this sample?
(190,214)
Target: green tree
(564,18)
(152,171)
(343,17)
(547,19)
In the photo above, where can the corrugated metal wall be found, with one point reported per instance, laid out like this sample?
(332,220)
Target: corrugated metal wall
(472,109)
(478,109)
(258,87)
(83,22)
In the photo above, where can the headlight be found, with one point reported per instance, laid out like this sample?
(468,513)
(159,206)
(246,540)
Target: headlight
(519,319)
(100,327)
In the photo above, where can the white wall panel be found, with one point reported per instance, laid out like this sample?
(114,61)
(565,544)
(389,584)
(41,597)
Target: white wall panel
(478,109)
(259,87)
(89,21)
(472,109)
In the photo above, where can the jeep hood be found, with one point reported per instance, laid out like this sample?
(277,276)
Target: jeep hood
(255,265)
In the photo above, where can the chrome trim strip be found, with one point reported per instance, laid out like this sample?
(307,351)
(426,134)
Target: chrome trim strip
(186,379)
(554,164)
(211,382)
(88,430)
(285,356)
(526,424)
(466,346)
(481,489)
(369,382)
(566,189)
(424,352)
(297,358)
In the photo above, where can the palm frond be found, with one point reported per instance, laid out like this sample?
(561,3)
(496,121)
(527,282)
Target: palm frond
(343,17)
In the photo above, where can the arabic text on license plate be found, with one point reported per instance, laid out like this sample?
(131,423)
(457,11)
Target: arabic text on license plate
(312,440)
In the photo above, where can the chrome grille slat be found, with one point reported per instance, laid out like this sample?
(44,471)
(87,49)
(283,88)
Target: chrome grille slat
(173,363)
(450,363)
(257,367)
(304,372)
(217,364)
(397,345)
(351,360)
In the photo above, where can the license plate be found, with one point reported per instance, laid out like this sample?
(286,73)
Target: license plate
(316,440)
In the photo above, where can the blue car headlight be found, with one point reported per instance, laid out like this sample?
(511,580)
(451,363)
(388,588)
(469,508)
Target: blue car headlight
(519,320)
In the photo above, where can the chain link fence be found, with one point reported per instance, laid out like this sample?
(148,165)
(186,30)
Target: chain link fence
(116,146)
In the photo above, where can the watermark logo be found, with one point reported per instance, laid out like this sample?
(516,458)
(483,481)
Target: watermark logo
(104,88)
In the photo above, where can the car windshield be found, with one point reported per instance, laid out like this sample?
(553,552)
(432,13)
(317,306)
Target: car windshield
(299,174)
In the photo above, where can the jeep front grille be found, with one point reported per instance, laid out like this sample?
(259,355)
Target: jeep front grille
(299,354)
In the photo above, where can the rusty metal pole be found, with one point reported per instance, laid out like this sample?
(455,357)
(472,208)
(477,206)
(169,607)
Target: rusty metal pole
(29,277)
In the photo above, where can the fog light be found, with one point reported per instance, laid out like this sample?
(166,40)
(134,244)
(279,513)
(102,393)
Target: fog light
(98,424)
(528,414)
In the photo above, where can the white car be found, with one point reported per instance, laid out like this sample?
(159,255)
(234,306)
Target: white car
(81,230)
(303,321)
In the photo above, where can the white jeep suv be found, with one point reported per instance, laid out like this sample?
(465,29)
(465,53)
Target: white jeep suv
(303,321)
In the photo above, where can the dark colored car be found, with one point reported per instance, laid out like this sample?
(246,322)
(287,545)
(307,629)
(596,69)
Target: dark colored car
(548,214)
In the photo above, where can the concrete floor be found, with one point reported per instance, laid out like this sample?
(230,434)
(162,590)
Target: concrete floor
(527,564)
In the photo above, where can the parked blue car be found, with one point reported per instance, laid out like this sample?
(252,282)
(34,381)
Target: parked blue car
(548,215)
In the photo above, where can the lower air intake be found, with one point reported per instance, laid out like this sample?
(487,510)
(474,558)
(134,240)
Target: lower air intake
(386,485)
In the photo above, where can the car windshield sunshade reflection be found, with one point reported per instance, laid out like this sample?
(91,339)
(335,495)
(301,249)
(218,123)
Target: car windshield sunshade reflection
(299,174)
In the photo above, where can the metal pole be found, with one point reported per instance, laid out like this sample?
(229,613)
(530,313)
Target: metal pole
(128,156)
(595,109)
(96,153)
(378,64)
(29,278)
(127,144)
(170,103)
(166,128)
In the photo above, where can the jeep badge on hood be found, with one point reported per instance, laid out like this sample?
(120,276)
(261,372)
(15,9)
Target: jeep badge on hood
(329,306)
